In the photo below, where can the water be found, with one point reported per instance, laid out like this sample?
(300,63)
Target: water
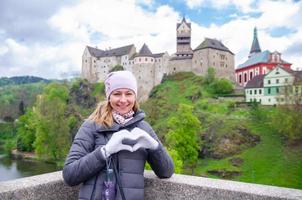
(13,169)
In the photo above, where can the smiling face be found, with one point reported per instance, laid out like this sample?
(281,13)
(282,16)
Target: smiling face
(122,100)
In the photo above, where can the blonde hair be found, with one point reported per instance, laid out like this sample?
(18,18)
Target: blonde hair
(102,115)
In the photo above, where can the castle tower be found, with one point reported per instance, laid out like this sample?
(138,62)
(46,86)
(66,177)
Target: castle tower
(255,45)
(183,39)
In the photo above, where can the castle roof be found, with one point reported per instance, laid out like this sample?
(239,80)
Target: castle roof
(255,45)
(144,51)
(158,55)
(183,20)
(112,52)
(256,82)
(261,57)
(213,44)
(95,52)
(256,58)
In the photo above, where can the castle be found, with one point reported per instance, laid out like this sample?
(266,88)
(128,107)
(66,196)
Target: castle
(150,68)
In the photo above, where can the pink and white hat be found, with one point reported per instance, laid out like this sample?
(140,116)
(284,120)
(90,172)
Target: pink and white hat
(118,80)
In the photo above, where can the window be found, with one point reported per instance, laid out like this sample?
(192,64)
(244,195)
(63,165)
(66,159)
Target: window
(251,91)
(255,91)
(260,91)
(269,90)
(277,80)
(268,81)
(245,77)
(286,80)
(251,75)
(240,78)
(277,90)
(146,59)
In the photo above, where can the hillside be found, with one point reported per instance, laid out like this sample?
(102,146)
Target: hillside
(14,99)
(233,145)
(234,141)
(18,80)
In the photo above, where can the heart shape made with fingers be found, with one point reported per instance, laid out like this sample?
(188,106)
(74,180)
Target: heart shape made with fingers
(139,139)
(130,141)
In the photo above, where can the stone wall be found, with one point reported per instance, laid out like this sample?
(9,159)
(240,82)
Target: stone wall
(179,65)
(51,186)
(221,61)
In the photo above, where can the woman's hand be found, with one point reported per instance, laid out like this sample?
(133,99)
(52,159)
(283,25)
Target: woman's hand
(144,140)
(115,143)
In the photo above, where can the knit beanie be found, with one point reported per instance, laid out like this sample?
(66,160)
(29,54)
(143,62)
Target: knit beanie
(120,79)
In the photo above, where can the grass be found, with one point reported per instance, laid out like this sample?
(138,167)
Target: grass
(270,162)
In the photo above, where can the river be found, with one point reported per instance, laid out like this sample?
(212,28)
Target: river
(13,169)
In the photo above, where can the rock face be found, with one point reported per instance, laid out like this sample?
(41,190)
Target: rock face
(229,143)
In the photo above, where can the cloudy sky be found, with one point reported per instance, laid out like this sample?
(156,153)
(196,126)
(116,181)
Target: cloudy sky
(47,38)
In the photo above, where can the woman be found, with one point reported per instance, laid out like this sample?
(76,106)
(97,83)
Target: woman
(109,152)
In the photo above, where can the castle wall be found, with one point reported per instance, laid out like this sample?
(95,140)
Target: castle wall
(179,65)
(144,73)
(221,61)
(160,68)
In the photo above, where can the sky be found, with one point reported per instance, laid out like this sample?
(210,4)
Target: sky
(48,39)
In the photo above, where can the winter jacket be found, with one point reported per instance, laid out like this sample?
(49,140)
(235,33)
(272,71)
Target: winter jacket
(85,163)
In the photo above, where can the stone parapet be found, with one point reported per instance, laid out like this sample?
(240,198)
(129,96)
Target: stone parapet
(51,186)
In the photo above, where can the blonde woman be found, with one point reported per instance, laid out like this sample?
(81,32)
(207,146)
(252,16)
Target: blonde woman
(111,148)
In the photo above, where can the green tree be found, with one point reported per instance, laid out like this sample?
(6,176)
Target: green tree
(222,86)
(52,131)
(210,76)
(183,135)
(26,131)
(178,163)
(287,122)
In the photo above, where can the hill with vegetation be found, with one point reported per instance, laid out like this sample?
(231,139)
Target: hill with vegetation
(197,118)
(211,136)
(18,80)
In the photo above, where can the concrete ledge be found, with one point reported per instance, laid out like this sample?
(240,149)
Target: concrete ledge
(46,186)
(51,186)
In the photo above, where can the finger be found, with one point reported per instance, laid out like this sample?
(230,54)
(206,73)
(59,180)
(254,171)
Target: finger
(126,147)
(136,147)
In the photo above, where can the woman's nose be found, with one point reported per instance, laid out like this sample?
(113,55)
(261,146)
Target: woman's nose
(123,98)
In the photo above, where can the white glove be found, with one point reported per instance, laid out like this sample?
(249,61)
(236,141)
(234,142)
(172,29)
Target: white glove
(115,143)
(144,140)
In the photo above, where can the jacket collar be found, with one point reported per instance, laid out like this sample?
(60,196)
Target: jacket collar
(138,116)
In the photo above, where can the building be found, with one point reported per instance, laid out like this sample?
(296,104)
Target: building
(279,86)
(258,63)
(97,63)
(213,53)
(149,68)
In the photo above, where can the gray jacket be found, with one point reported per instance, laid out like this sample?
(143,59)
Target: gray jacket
(85,163)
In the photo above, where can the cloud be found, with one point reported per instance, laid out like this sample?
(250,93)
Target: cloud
(117,22)
(48,40)
(244,6)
